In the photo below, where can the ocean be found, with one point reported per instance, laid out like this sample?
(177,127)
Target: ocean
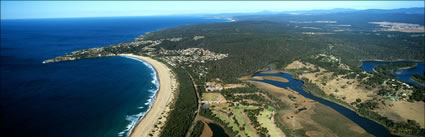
(102,97)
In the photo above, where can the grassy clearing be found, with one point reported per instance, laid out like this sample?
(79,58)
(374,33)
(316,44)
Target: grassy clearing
(296,71)
(266,119)
(288,132)
(336,123)
(241,125)
(316,91)
(213,97)
(239,115)
(246,107)
(228,121)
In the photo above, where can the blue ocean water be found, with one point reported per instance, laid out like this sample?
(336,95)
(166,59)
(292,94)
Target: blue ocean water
(100,97)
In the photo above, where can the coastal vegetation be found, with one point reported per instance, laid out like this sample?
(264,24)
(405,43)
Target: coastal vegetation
(197,131)
(182,113)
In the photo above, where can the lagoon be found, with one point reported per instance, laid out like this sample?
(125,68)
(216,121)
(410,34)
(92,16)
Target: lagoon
(217,130)
(403,74)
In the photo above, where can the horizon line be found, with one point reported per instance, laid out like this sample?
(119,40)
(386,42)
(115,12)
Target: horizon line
(201,14)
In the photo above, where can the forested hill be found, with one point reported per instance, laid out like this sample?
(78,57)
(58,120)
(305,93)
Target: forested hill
(356,18)
(345,16)
(253,45)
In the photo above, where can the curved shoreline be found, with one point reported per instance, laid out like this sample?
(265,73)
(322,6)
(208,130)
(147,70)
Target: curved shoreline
(164,97)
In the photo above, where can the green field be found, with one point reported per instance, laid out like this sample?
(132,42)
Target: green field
(246,107)
(228,121)
(334,122)
(239,115)
(268,123)
(213,97)
(240,118)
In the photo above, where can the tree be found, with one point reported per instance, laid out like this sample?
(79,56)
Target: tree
(358,100)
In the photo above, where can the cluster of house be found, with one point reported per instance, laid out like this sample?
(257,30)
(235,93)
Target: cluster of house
(331,58)
(213,86)
(189,56)
(400,90)
(176,57)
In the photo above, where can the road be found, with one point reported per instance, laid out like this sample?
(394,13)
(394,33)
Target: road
(189,131)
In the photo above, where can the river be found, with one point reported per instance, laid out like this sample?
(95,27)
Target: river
(403,75)
(297,85)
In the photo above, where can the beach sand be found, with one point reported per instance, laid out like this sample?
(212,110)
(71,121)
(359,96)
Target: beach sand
(159,111)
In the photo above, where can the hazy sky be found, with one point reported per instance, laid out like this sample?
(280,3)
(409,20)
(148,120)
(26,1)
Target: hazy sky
(65,9)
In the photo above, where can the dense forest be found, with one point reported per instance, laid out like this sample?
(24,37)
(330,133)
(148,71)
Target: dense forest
(180,119)
(253,45)
(197,131)
(256,42)
(360,19)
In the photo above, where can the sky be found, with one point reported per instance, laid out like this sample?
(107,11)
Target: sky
(68,9)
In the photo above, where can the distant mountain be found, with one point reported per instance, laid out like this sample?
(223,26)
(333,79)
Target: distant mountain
(328,11)
(419,10)
(267,12)
(343,16)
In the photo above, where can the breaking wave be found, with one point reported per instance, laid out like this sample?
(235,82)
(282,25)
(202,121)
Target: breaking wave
(134,119)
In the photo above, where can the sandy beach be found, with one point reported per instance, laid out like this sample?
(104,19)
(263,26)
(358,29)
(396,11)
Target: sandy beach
(159,111)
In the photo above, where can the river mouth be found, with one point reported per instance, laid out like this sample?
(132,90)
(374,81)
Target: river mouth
(297,85)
